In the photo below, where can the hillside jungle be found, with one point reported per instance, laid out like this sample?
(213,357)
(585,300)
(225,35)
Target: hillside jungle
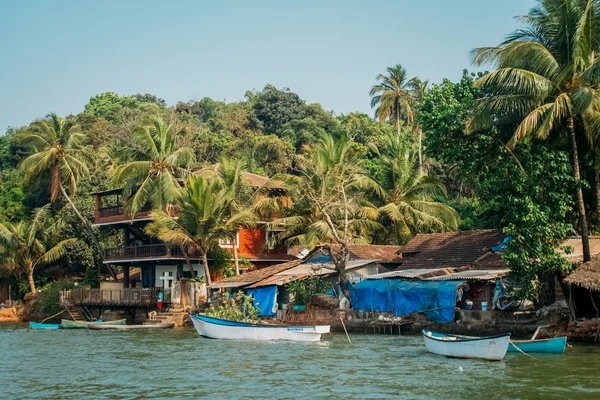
(514,148)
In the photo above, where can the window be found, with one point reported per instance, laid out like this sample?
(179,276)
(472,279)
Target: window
(228,243)
(271,237)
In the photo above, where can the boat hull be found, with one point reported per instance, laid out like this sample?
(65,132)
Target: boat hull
(36,325)
(102,327)
(68,324)
(486,348)
(215,328)
(554,345)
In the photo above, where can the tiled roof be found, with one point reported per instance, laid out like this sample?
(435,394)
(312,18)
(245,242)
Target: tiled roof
(254,179)
(453,249)
(256,275)
(383,253)
(576,254)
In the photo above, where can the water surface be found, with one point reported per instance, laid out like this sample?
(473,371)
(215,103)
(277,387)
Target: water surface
(180,364)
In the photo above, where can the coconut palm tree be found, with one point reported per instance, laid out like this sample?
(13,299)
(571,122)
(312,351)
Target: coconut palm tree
(204,219)
(418,89)
(59,153)
(26,245)
(392,97)
(151,171)
(331,188)
(547,81)
(410,204)
(241,194)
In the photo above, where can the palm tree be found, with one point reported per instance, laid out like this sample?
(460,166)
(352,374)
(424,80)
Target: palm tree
(409,200)
(204,219)
(331,187)
(418,90)
(241,194)
(151,171)
(547,81)
(26,245)
(59,153)
(392,97)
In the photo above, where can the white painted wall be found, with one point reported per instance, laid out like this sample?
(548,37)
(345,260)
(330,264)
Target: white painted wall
(160,272)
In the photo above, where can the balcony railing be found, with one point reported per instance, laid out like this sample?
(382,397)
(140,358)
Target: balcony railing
(118,210)
(122,297)
(160,250)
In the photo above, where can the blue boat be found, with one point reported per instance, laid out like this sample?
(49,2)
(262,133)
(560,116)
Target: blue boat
(37,325)
(554,345)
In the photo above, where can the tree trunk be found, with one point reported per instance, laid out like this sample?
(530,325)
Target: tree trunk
(188,262)
(585,240)
(82,218)
(235,255)
(597,184)
(398,119)
(206,270)
(420,151)
(88,227)
(30,279)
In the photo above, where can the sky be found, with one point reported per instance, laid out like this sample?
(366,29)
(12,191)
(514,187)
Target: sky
(55,55)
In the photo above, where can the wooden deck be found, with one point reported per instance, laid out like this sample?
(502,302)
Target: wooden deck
(113,297)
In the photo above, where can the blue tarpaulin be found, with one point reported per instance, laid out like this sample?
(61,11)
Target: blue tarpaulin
(404,297)
(264,299)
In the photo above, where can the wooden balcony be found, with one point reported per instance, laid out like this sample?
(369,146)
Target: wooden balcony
(144,252)
(113,297)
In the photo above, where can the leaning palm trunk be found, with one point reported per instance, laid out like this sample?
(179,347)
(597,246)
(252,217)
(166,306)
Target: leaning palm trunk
(88,227)
(82,218)
(585,240)
(597,184)
(206,270)
(188,262)
(236,259)
(30,279)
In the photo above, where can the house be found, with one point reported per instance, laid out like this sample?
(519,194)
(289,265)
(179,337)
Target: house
(160,264)
(478,249)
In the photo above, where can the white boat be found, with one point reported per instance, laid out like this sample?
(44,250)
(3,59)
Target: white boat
(216,328)
(486,348)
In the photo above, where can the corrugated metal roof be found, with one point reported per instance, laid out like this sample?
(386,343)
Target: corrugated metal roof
(307,269)
(470,275)
(474,275)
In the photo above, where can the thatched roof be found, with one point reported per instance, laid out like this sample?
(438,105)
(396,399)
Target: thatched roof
(587,275)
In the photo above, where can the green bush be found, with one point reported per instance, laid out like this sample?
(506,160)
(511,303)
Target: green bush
(47,302)
(239,308)
(302,291)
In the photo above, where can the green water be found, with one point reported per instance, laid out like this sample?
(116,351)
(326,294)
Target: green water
(180,364)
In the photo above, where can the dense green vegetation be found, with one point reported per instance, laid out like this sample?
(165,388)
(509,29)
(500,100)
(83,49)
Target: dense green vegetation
(515,148)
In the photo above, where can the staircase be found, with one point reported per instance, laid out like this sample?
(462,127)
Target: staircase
(164,318)
(79,314)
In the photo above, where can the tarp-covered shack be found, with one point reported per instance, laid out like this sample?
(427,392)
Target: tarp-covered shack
(403,297)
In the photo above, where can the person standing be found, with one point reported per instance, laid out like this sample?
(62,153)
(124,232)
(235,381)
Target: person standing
(160,301)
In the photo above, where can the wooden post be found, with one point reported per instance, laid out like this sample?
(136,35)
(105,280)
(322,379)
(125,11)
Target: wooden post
(126,277)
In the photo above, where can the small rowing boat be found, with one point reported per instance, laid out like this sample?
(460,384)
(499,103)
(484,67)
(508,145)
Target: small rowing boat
(37,325)
(216,328)
(68,324)
(554,345)
(486,348)
(103,327)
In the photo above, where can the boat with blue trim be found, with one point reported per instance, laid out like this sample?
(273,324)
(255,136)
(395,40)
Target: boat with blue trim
(216,328)
(486,348)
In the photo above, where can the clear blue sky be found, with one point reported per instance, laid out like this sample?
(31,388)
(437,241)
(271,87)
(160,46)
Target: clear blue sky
(56,54)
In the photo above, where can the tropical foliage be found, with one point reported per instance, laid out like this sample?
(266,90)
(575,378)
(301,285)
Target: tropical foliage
(30,244)
(513,149)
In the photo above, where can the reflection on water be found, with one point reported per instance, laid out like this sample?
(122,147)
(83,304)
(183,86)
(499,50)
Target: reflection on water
(180,364)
